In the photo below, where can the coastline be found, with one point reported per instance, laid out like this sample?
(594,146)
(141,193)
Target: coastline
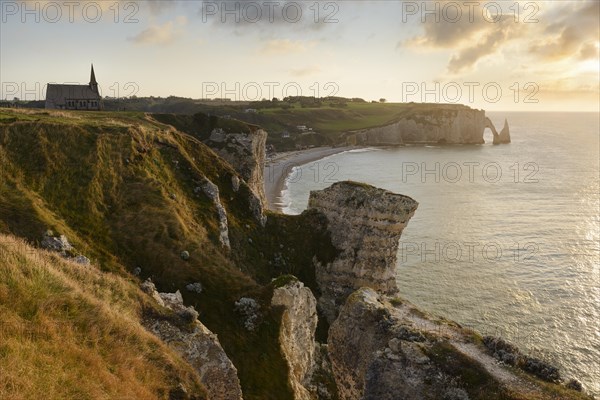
(278,167)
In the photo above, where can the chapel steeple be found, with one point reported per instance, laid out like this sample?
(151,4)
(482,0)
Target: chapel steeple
(93,83)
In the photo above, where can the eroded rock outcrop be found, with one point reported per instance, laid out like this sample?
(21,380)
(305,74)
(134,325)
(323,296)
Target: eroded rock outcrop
(385,351)
(198,345)
(61,245)
(212,191)
(365,225)
(297,333)
(370,358)
(499,138)
(504,135)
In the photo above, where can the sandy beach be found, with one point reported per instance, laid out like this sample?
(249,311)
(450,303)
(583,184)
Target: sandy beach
(280,165)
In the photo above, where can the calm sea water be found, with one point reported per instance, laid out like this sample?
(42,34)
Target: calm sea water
(506,238)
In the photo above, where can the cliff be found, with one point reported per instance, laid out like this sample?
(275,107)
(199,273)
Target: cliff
(365,225)
(440,124)
(141,199)
(129,198)
(379,345)
(246,153)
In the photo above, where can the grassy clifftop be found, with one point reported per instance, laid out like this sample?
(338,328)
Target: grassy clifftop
(122,188)
(330,117)
(68,331)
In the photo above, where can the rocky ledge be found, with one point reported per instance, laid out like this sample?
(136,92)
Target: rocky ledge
(383,348)
(198,345)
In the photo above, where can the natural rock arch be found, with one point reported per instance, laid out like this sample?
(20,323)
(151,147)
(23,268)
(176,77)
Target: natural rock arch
(503,136)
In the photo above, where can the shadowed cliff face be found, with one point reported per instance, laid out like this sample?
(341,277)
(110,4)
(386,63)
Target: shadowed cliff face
(297,333)
(246,153)
(365,225)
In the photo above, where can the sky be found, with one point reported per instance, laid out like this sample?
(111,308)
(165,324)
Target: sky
(498,56)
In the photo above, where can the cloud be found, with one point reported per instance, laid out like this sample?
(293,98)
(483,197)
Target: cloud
(286,46)
(470,37)
(269,17)
(468,56)
(161,34)
(158,7)
(306,71)
(589,51)
(573,35)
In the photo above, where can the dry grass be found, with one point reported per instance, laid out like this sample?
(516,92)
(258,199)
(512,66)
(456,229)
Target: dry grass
(73,332)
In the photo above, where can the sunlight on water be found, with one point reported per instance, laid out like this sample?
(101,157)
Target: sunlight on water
(512,248)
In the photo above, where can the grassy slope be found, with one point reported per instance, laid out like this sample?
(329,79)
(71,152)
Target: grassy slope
(107,182)
(73,332)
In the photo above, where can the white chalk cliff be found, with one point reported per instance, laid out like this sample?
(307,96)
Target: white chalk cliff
(439,124)
(365,225)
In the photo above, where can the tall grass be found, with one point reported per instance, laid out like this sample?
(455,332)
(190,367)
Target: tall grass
(73,332)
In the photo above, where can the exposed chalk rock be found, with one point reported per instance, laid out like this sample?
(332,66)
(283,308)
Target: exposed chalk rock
(504,135)
(384,351)
(235,183)
(499,138)
(195,287)
(196,344)
(246,152)
(297,333)
(442,124)
(56,243)
(83,260)
(365,225)
(212,191)
(249,309)
(369,362)
(61,245)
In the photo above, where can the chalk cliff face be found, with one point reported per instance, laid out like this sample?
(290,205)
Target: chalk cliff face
(442,124)
(246,153)
(365,225)
(198,345)
(297,334)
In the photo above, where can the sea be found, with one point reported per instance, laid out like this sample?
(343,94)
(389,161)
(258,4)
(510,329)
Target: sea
(506,238)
